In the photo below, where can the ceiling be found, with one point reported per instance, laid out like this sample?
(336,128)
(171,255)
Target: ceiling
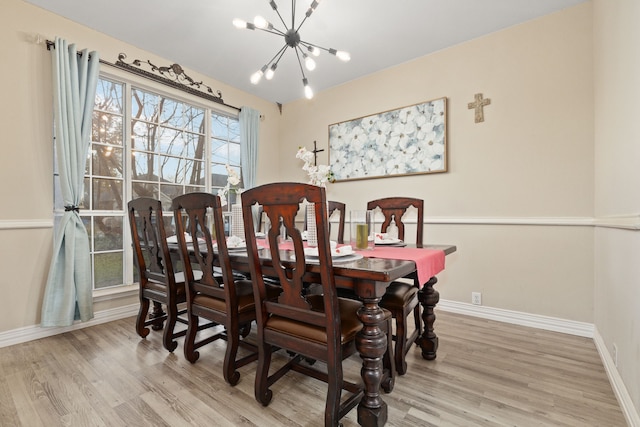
(378,34)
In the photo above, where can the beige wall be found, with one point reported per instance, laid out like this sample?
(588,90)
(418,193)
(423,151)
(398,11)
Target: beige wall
(532,157)
(617,148)
(26,162)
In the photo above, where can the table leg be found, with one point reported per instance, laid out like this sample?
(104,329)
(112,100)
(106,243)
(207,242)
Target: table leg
(428,297)
(371,343)
(155,314)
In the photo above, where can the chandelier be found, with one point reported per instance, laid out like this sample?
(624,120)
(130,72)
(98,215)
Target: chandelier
(292,39)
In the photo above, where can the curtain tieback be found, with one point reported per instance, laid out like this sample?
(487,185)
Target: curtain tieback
(71,208)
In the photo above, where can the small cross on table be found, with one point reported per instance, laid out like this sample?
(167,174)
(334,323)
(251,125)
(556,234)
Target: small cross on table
(315,152)
(478,104)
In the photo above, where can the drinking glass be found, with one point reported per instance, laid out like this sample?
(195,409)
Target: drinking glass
(362,230)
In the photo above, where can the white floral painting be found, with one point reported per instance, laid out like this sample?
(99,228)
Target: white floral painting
(406,141)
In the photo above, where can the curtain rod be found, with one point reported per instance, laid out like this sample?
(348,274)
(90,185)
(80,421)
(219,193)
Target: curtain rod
(174,71)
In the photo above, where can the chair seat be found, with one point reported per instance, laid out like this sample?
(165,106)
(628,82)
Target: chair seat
(161,287)
(397,296)
(179,279)
(244,292)
(350,324)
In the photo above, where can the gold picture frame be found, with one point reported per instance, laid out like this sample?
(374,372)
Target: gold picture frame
(410,140)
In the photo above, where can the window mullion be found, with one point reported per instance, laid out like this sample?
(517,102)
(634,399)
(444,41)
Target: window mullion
(127,168)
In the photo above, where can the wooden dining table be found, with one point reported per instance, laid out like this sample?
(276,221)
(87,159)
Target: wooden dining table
(368,277)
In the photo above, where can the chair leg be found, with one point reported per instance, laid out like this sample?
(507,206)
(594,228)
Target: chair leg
(142,317)
(262,392)
(334,389)
(172,316)
(190,338)
(401,343)
(418,320)
(388,363)
(233,338)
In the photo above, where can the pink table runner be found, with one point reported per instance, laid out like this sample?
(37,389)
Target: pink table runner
(429,262)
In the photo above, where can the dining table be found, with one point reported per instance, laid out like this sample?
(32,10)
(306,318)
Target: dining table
(368,273)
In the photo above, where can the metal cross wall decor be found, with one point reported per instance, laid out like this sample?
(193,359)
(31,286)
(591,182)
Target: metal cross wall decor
(478,105)
(315,153)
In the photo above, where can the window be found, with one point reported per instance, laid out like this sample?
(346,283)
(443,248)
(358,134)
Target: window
(146,144)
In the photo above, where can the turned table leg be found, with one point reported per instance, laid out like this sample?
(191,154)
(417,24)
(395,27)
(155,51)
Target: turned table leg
(157,313)
(428,297)
(371,343)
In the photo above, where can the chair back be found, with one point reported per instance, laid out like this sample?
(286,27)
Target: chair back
(281,203)
(199,215)
(394,208)
(151,252)
(341,208)
(332,207)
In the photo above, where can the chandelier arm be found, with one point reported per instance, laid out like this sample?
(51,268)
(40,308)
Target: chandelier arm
(278,55)
(275,8)
(281,52)
(293,13)
(274,30)
(300,64)
(307,44)
(303,21)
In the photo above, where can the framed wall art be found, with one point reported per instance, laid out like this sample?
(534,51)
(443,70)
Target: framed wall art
(406,141)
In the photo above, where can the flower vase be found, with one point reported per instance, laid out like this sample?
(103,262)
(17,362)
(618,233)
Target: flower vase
(237,223)
(312,235)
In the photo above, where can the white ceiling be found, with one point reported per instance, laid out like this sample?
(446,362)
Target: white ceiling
(378,34)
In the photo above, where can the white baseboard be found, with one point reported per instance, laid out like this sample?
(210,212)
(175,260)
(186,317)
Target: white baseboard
(619,389)
(30,333)
(555,324)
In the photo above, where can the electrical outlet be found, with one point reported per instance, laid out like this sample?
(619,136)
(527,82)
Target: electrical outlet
(615,354)
(476,298)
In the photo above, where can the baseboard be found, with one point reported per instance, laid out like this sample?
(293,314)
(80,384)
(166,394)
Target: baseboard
(30,333)
(555,324)
(619,389)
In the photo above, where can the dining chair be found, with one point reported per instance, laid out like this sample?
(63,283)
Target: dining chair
(319,326)
(401,298)
(341,208)
(333,206)
(222,298)
(158,282)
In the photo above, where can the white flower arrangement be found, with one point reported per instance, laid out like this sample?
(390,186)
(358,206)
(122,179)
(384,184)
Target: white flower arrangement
(232,180)
(318,175)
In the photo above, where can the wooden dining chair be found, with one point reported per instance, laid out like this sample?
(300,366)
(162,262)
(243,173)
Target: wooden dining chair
(318,327)
(341,208)
(225,300)
(401,298)
(333,206)
(158,283)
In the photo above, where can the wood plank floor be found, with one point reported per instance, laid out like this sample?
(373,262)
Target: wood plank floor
(486,374)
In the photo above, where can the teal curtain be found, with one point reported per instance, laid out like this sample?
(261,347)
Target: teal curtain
(68,294)
(249,120)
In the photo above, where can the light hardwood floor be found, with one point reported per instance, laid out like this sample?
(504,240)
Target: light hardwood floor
(486,374)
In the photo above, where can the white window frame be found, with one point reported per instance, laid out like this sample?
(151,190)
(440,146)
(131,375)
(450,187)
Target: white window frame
(128,81)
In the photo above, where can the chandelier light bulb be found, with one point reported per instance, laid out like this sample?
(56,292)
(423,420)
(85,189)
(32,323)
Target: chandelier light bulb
(314,51)
(308,92)
(309,62)
(257,76)
(270,72)
(239,23)
(344,56)
(260,22)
